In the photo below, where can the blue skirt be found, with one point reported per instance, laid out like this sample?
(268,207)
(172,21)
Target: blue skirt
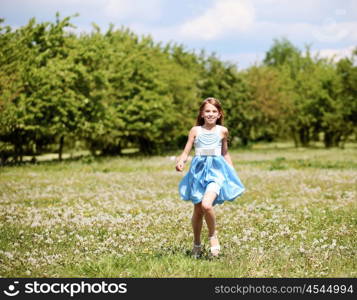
(205,170)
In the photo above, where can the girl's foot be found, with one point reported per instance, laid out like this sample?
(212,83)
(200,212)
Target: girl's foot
(196,250)
(215,247)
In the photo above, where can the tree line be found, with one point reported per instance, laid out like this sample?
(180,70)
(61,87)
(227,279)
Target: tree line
(112,90)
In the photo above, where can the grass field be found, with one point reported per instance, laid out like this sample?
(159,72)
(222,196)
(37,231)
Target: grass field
(122,217)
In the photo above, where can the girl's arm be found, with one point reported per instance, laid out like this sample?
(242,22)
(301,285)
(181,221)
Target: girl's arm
(180,162)
(225,153)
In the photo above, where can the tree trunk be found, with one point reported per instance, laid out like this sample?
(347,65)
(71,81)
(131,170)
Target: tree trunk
(315,134)
(295,137)
(111,150)
(18,152)
(328,139)
(60,149)
(304,136)
(336,139)
(146,146)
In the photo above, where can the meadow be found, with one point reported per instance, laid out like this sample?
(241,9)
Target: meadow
(122,217)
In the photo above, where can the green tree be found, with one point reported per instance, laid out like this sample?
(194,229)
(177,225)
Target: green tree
(347,71)
(271,102)
(281,52)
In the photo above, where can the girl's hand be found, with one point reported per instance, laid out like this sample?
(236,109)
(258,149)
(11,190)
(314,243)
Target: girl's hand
(180,165)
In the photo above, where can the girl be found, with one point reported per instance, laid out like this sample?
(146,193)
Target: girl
(211,178)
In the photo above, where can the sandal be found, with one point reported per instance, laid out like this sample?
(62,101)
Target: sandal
(196,251)
(215,249)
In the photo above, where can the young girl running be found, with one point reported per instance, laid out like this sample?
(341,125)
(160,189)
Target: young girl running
(211,178)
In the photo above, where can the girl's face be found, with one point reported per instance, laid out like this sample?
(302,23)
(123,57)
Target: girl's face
(210,114)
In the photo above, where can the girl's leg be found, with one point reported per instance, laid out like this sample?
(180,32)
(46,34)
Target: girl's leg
(197,219)
(207,208)
(210,218)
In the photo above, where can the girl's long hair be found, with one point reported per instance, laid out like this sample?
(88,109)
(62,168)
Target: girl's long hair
(200,121)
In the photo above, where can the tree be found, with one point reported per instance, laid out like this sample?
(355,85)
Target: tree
(347,71)
(282,52)
(271,102)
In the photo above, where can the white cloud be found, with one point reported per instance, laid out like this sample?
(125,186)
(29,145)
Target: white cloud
(126,9)
(159,33)
(304,33)
(55,3)
(335,54)
(223,17)
(331,31)
(289,10)
(245,59)
(113,10)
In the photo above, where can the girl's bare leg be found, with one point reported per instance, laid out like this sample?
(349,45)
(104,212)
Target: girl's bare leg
(197,220)
(210,216)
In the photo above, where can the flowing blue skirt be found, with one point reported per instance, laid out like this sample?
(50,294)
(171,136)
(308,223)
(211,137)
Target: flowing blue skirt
(205,170)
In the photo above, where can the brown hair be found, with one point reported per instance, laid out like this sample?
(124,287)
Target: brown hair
(200,121)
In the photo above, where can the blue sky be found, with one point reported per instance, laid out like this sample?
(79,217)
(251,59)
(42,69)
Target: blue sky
(240,31)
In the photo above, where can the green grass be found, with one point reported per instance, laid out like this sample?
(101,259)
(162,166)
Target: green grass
(122,217)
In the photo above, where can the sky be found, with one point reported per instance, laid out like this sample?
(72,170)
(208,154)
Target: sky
(239,31)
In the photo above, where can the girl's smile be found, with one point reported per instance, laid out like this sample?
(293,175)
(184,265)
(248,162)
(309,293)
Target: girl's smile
(210,114)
